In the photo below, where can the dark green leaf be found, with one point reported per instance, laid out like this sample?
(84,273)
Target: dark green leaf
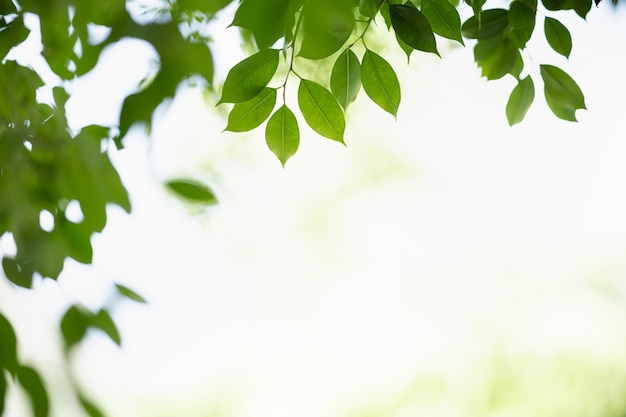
(327,25)
(443,18)
(497,57)
(558,36)
(321,110)
(282,134)
(8,346)
(522,21)
(491,23)
(3,390)
(369,8)
(130,294)
(520,100)
(90,408)
(249,77)
(12,35)
(103,321)
(380,82)
(16,273)
(32,383)
(413,28)
(192,191)
(74,325)
(345,78)
(562,93)
(250,114)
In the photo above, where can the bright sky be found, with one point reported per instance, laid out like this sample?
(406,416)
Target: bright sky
(425,247)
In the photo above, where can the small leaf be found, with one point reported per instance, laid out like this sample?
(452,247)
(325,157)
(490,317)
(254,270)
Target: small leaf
(413,28)
(32,383)
(345,78)
(282,134)
(130,294)
(443,18)
(19,275)
(558,36)
(562,93)
(74,325)
(8,346)
(192,191)
(380,82)
(250,114)
(103,321)
(90,408)
(249,77)
(520,100)
(321,110)
(490,23)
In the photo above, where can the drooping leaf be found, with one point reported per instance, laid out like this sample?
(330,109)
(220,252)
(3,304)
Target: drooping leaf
(90,408)
(521,18)
(20,275)
(102,320)
(558,36)
(491,23)
(32,383)
(327,25)
(282,134)
(250,114)
(520,100)
(369,8)
(413,28)
(193,191)
(74,325)
(562,93)
(380,82)
(345,78)
(321,110)
(8,346)
(266,20)
(130,294)
(444,18)
(249,77)
(581,7)
(498,56)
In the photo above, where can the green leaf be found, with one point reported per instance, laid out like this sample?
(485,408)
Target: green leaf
(443,18)
(74,325)
(16,273)
(369,8)
(521,18)
(380,82)
(3,390)
(130,294)
(413,28)
(90,408)
(8,346)
(249,77)
(558,36)
(497,57)
(282,134)
(192,191)
(32,383)
(12,35)
(490,23)
(520,100)
(250,114)
(345,78)
(267,20)
(103,321)
(321,110)
(562,93)
(327,25)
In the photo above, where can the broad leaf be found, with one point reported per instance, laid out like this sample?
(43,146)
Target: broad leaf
(345,78)
(8,346)
(3,390)
(562,93)
(520,100)
(250,114)
(282,134)
(74,325)
(192,191)
(20,275)
(558,36)
(369,8)
(497,57)
(130,294)
(249,77)
(521,18)
(380,82)
(32,383)
(12,35)
(490,23)
(321,110)
(266,20)
(103,321)
(413,28)
(443,18)
(327,25)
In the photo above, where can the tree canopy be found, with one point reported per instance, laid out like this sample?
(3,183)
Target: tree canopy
(56,183)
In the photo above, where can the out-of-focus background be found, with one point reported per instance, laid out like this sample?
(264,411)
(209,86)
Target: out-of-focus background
(442,264)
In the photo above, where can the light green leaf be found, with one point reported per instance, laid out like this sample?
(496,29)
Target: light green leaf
(490,23)
(321,110)
(103,321)
(192,191)
(562,93)
(32,383)
(282,134)
(250,76)
(369,8)
(267,20)
(250,114)
(345,78)
(380,82)
(130,294)
(74,325)
(413,28)
(558,36)
(443,18)
(520,100)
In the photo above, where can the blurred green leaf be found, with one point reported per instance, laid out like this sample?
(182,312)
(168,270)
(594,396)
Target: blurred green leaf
(562,93)
(192,191)
(558,36)
(249,77)
(267,20)
(413,28)
(327,25)
(90,408)
(207,6)
(16,273)
(3,389)
(498,56)
(369,8)
(8,346)
(103,321)
(345,78)
(491,23)
(74,325)
(444,19)
(130,294)
(12,35)
(380,82)
(520,101)
(521,18)
(250,114)
(282,134)
(321,110)
(32,383)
